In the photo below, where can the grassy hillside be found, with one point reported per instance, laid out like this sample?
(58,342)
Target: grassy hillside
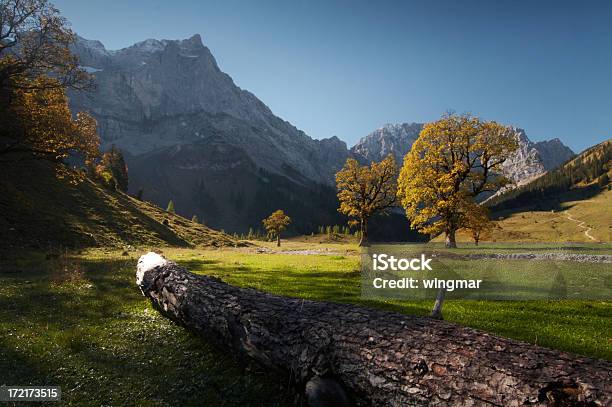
(38,210)
(580,178)
(569,204)
(563,224)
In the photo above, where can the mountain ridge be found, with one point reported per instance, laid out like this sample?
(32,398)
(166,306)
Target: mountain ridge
(191,135)
(175,87)
(529,161)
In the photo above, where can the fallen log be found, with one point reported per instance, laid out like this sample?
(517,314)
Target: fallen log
(341,354)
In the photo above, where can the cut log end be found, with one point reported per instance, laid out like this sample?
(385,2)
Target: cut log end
(147,263)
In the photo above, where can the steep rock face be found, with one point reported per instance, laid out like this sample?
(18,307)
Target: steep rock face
(525,163)
(531,159)
(528,161)
(191,135)
(157,94)
(396,139)
(553,153)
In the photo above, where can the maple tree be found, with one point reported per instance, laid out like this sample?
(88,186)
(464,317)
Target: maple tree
(478,222)
(36,67)
(364,191)
(276,223)
(453,161)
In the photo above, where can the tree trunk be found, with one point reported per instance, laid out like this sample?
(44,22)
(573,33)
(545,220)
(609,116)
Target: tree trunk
(278,239)
(450,241)
(371,357)
(436,312)
(363,230)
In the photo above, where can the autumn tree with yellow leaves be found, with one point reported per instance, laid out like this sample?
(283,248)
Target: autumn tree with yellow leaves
(364,191)
(276,223)
(454,160)
(36,67)
(35,42)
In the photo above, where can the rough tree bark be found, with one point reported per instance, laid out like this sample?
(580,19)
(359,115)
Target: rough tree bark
(450,240)
(363,232)
(372,357)
(436,312)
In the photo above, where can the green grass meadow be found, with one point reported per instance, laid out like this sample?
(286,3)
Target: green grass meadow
(79,321)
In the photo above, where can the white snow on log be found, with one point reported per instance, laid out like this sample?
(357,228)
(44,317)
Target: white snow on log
(148,262)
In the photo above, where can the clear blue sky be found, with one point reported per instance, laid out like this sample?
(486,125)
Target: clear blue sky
(346,68)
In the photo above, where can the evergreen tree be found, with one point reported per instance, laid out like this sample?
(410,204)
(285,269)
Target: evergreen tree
(113,170)
(118,168)
(170,207)
(603,180)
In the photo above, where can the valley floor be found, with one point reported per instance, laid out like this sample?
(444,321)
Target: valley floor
(78,320)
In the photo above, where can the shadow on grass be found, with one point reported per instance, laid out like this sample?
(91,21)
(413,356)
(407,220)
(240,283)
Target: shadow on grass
(16,365)
(98,338)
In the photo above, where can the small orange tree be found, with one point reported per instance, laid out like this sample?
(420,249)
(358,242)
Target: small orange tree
(365,190)
(478,222)
(276,223)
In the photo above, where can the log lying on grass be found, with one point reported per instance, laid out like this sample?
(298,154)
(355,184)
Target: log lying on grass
(352,355)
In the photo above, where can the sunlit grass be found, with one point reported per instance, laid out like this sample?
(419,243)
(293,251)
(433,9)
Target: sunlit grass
(583,327)
(79,321)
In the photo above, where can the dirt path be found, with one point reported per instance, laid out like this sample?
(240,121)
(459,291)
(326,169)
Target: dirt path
(581,224)
(558,256)
(305,252)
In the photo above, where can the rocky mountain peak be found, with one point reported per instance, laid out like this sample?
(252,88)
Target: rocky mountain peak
(163,93)
(149,45)
(93,46)
(528,161)
(553,153)
(184,126)
(393,139)
(525,163)
(194,41)
(531,159)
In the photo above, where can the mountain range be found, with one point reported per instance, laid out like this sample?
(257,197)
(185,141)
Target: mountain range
(190,135)
(527,162)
